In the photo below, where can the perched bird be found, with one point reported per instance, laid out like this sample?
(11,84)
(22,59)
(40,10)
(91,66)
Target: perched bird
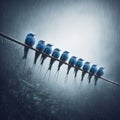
(85,69)
(78,65)
(64,57)
(40,46)
(30,41)
(48,51)
(71,62)
(92,71)
(55,54)
(100,72)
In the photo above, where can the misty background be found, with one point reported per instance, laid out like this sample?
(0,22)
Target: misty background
(88,29)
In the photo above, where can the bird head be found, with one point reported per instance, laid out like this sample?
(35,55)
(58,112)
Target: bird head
(49,45)
(87,62)
(102,68)
(74,57)
(57,49)
(41,41)
(80,59)
(66,52)
(94,65)
(31,34)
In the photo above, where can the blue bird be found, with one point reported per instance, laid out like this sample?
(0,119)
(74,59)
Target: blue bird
(92,71)
(86,67)
(30,41)
(64,57)
(71,62)
(40,46)
(48,51)
(100,72)
(78,65)
(55,54)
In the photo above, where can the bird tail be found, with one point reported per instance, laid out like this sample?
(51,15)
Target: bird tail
(42,61)
(83,74)
(43,58)
(51,63)
(36,57)
(60,64)
(74,70)
(89,78)
(75,73)
(96,79)
(26,49)
(68,70)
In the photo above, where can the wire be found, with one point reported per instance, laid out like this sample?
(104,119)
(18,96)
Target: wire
(20,43)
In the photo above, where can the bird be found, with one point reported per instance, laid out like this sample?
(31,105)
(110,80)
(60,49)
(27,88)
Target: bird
(64,57)
(56,55)
(48,51)
(40,46)
(99,73)
(30,41)
(92,72)
(78,65)
(71,63)
(85,69)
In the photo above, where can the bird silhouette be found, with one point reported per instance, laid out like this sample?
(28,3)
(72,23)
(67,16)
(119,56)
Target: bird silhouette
(100,72)
(85,69)
(48,51)
(64,57)
(71,62)
(92,71)
(78,65)
(30,41)
(56,55)
(40,46)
